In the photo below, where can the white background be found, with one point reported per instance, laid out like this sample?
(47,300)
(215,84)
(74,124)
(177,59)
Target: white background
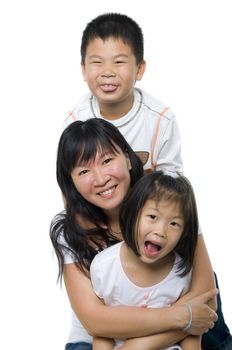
(189,60)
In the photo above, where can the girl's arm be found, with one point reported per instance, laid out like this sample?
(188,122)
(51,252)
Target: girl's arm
(191,343)
(158,341)
(122,321)
(154,342)
(103,343)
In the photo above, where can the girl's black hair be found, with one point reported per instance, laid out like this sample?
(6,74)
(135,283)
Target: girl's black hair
(114,25)
(80,142)
(159,186)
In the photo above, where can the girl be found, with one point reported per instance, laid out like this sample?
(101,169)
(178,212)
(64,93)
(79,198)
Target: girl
(152,267)
(95,169)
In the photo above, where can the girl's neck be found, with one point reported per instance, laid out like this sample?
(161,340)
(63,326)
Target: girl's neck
(143,274)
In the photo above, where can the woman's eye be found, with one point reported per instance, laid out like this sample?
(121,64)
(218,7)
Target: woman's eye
(83,172)
(107,161)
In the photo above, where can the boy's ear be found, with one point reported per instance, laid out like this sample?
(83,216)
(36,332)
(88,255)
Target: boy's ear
(83,71)
(141,70)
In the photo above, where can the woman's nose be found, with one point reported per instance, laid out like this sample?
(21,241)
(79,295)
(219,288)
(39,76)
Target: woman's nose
(100,178)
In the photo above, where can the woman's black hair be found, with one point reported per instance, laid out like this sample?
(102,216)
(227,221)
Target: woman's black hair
(114,25)
(159,186)
(80,142)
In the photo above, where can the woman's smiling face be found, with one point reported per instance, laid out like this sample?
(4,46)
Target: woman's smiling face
(105,180)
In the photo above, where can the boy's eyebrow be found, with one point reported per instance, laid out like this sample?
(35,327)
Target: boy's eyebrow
(116,56)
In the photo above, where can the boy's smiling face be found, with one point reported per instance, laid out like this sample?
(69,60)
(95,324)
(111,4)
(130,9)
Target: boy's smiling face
(111,71)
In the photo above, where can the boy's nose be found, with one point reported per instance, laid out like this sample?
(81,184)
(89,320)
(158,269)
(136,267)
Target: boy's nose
(108,71)
(108,74)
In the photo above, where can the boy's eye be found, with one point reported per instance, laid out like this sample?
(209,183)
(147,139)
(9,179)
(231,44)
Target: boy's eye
(119,62)
(95,62)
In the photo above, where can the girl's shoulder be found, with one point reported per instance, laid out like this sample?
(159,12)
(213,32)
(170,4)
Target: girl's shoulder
(107,256)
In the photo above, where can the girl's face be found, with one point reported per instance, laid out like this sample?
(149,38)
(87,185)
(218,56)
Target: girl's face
(159,229)
(111,71)
(105,180)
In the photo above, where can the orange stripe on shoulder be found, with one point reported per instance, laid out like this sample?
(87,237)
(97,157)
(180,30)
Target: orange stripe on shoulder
(156,136)
(70,114)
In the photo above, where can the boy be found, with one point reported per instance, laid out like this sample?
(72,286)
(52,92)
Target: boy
(112,61)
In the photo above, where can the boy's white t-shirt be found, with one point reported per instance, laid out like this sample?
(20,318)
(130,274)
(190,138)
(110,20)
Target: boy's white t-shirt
(149,127)
(111,283)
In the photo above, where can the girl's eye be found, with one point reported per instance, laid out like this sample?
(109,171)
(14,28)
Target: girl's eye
(175,224)
(152,216)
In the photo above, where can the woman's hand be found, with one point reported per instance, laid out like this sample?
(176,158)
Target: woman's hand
(203,317)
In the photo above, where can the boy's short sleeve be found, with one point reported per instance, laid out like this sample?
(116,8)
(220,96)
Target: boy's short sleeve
(168,156)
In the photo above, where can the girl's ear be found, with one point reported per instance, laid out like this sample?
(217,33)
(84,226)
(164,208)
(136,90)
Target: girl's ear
(141,70)
(83,71)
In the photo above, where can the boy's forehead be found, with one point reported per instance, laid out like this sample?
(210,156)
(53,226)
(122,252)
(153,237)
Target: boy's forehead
(110,42)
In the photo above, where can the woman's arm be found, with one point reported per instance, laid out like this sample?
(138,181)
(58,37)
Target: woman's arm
(115,322)
(202,274)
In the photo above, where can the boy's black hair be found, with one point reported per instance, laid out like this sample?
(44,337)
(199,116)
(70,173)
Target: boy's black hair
(80,142)
(114,25)
(159,186)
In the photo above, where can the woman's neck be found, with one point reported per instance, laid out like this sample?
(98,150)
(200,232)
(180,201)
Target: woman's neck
(113,220)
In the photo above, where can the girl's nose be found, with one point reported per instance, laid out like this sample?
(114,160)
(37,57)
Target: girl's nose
(160,230)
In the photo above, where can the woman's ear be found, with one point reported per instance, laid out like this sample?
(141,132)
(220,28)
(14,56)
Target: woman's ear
(141,70)
(128,161)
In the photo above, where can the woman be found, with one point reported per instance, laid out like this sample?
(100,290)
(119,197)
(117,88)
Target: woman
(95,169)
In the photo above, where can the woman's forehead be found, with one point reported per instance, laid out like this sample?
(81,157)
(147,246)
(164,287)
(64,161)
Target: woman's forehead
(97,154)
